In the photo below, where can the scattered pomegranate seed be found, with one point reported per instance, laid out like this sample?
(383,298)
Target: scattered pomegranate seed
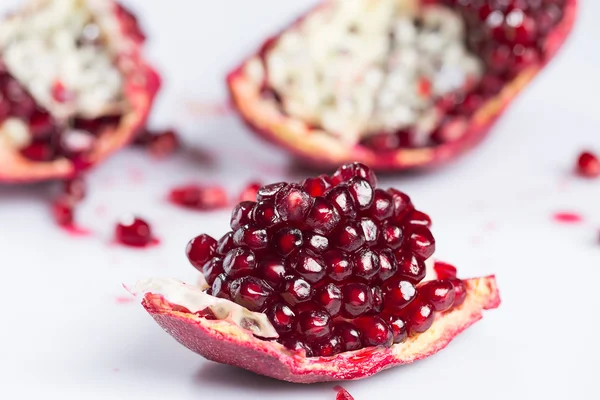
(163,144)
(588,165)
(198,197)
(64,212)
(250,192)
(134,232)
(342,394)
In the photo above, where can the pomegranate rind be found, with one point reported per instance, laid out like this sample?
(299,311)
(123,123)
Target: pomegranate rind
(317,148)
(227,343)
(142,83)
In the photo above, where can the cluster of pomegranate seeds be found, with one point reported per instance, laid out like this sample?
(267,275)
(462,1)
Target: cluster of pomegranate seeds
(199,197)
(334,262)
(134,232)
(588,165)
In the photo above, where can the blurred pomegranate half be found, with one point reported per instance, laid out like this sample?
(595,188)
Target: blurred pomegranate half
(73,87)
(318,281)
(396,84)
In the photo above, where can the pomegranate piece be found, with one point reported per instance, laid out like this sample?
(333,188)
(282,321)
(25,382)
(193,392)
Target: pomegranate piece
(87,95)
(414,84)
(199,197)
(134,232)
(588,165)
(325,294)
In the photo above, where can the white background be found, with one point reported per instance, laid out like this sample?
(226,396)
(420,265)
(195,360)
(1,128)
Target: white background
(64,334)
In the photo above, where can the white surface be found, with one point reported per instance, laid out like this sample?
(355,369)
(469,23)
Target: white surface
(64,335)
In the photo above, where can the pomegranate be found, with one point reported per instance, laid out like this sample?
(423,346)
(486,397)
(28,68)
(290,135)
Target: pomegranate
(396,84)
(346,308)
(74,87)
(588,165)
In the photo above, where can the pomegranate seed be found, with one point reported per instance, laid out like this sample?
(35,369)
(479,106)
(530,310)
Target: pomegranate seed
(357,300)
(200,250)
(39,151)
(366,264)
(349,237)
(272,269)
(225,244)
(288,240)
(410,267)
(270,191)
(370,231)
(250,292)
(419,317)
(163,144)
(419,218)
(342,200)
(439,293)
(63,211)
(397,294)
(41,124)
(444,270)
(374,331)
(330,298)
(251,236)
(75,189)
(316,186)
(60,93)
(308,265)
(134,232)
(398,328)
(293,342)
(402,204)
(422,243)
(265,214)
(349,171)
(338,265)
(316,243)
(329,347)
(361,191)
(212,269)
(377,296)
(240,215)
(392,236)
(460,291)
(250,192)
(323,217)
(293,203)
(588,165)
(314,325)
(388,264)
(296,291)
(349,335)
(382,142)
(282,317)
(383,205)
(239,262)
(198,197)
(221,287)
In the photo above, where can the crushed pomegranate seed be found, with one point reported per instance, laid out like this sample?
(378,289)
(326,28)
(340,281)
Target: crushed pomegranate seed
(335,263)
(134,232)
(588,165)
(199,197)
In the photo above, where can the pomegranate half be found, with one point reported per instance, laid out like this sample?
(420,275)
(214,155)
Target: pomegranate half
(396,84)
(74,87)
(330,279)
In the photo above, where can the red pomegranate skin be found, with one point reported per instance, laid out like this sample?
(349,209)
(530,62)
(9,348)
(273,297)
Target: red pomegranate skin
(141,86)
(224,342)
(271,124)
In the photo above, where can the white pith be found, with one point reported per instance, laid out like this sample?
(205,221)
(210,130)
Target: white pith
(39,48)
(195,299)
(340,69)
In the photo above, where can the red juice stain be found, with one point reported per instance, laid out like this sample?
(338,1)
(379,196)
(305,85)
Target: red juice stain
(566,217)
(123,300)
(136,176)
(342,394)
(76,231)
